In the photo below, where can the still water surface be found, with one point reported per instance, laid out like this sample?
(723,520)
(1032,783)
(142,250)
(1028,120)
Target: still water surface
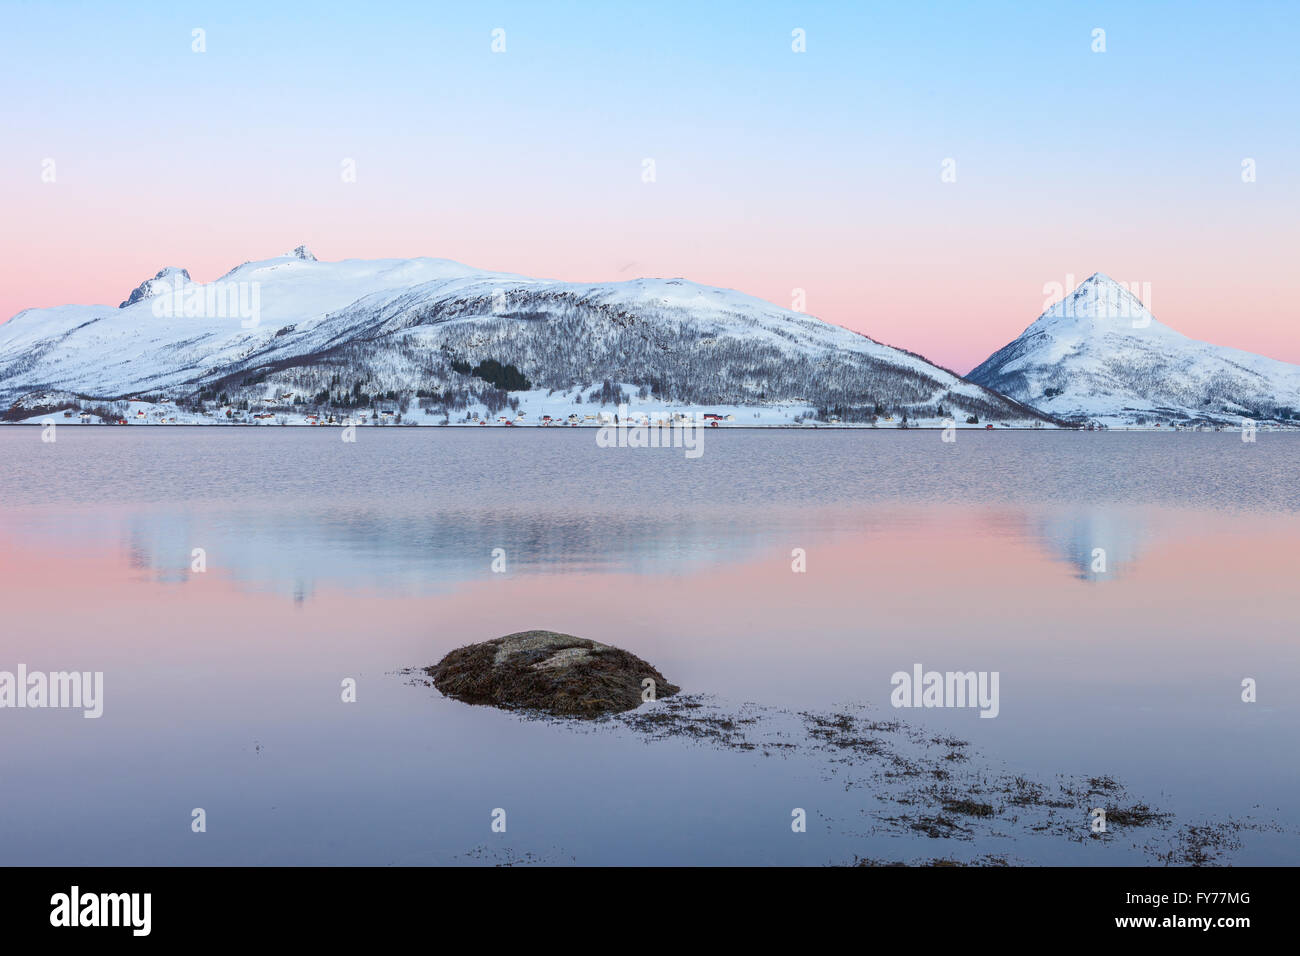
(328,560)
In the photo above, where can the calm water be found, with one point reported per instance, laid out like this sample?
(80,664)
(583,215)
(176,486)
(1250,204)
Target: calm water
(327,561)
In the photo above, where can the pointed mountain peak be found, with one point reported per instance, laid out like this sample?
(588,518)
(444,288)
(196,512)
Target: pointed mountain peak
(162,282)
(1097,279)
(1098,356)
(1102,302)
(303,253)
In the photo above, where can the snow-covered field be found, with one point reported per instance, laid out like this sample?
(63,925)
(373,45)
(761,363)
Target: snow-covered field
(537,409)
(543,408)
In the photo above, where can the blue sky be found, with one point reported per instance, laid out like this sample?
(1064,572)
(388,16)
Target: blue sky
(774,170)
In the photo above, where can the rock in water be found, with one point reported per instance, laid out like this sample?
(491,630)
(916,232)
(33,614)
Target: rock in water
(546,671)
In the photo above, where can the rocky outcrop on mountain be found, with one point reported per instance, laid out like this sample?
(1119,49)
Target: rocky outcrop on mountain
(164,281)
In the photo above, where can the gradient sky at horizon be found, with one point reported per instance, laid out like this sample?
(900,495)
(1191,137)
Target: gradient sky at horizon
(775,170)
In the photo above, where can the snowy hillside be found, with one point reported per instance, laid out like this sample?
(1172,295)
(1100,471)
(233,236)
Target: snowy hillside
(1099,355)
(294,338)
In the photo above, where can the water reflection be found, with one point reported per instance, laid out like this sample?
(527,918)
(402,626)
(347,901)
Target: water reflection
(202,670)
(1100,543)
(294,551)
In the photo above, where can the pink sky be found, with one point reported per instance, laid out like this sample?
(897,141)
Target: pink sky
(954,297)
(775,170)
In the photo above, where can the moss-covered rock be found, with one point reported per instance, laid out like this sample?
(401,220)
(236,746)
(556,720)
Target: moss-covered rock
(549,672)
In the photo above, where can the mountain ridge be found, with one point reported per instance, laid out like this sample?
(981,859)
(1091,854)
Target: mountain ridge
(404,327)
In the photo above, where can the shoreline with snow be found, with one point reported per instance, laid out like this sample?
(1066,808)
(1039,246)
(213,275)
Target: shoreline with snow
(537,409)
(553,408)
(208,422)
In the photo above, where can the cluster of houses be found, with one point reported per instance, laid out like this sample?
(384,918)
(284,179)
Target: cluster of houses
(387,411)
(161,418)
(521,418)
(664,420)
(359,419)
(271,408)
(273,405)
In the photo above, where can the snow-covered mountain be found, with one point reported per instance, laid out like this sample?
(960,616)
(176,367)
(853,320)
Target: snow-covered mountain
(159,284)
(1099,355)
(341,334)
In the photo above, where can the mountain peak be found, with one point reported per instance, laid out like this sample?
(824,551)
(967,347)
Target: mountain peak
(1101,301)
(1099,355)
(149,288)
(1098,279)
(302,252)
